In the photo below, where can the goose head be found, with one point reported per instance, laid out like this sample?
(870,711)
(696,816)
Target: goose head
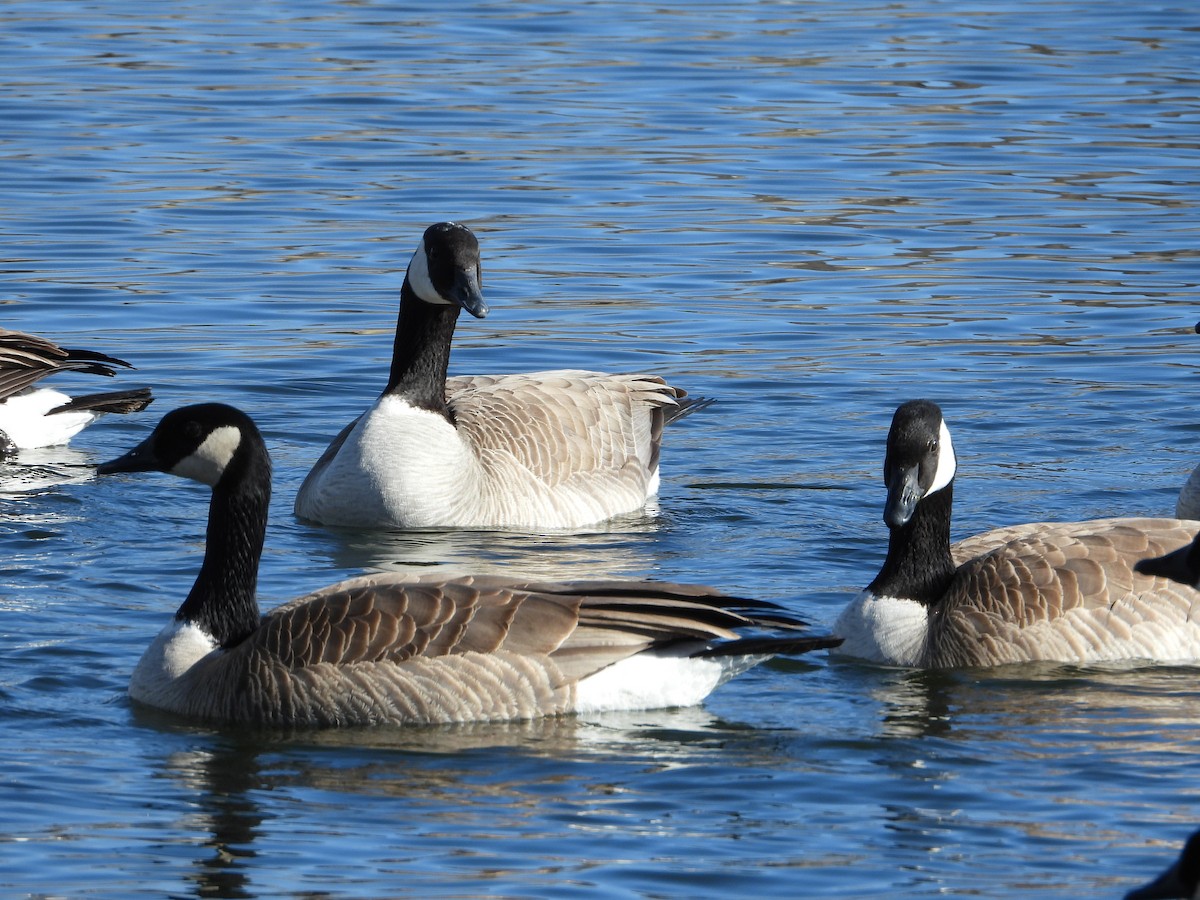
(919,461)
(1182,565)
(207,442)
(445,270)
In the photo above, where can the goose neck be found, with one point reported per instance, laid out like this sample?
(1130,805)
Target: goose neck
(919,565)
(421,353)
(223,599)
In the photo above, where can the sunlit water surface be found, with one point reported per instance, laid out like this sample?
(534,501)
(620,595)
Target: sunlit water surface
(809,211)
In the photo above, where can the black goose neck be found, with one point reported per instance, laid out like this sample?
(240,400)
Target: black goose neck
(421,353)
(223,599)
(919,565)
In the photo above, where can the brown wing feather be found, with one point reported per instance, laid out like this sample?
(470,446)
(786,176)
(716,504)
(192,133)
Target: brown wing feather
(564,425)
(1059,591)
(26,359)
(384,648)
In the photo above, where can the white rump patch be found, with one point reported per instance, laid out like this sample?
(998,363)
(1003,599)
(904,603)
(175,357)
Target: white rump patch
(418,277)
(23,418)
(885,630)
(207,462)
(657,679)
(946,462)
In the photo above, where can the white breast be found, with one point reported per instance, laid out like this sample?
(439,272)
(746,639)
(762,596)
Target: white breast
(399,466)
(884,630)
(168,659)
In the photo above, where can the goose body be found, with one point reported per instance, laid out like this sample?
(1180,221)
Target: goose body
(41,417)
(556,449)
(1062,592)
(386,649)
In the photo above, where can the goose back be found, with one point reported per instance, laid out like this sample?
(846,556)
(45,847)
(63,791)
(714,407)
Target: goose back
(1067,592)
(1188,504)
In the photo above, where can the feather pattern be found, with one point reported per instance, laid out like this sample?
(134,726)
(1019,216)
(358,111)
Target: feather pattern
(1068,592)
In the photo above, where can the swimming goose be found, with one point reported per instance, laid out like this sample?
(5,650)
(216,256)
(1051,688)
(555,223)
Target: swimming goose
(1181,881)
(385,649)
(559,449)
(31,418)
(1064,592)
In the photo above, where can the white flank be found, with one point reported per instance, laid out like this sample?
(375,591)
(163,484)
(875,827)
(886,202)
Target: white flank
(883,630)
(208,461)
(169,658)
(657,679)
(23,418)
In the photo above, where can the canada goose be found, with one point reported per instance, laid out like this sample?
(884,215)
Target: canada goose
(31,418)
(381,648)
(559,449)
(1062,592)
(1181,881)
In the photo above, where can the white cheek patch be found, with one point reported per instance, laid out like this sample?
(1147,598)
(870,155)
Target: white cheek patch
(418,277)
(946,464)
(207,462)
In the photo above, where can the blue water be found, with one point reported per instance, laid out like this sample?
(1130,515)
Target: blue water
(809,211)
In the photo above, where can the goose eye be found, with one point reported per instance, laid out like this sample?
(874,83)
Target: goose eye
(933,445)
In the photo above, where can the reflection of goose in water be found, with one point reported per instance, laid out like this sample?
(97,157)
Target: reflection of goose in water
(32,471)
(40,417)
(1036,704)
(381,649)
(239,792)
(618,551)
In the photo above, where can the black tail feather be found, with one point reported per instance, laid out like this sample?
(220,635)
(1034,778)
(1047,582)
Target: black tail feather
(770,646)
(130,401)
(685,406)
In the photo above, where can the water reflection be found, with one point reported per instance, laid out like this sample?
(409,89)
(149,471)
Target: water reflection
(1044,703)
(621,550)
(450,781)
(29,472)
